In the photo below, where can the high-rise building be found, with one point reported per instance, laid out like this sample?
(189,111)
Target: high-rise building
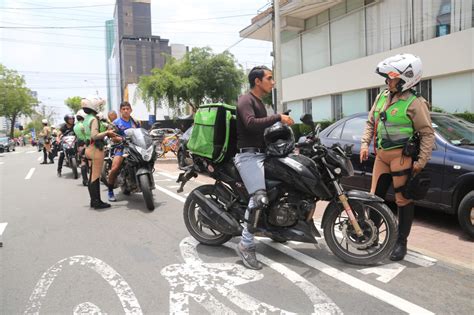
(135,51)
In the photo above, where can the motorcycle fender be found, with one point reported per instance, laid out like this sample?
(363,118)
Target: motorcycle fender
(351,194)
(143,171)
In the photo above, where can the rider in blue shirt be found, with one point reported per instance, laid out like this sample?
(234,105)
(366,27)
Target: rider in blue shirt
(124,122)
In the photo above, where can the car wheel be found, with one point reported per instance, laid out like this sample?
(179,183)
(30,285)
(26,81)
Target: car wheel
(466,214)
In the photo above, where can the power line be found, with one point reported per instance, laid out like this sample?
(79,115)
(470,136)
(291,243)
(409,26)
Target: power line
(59,8)
(53,27)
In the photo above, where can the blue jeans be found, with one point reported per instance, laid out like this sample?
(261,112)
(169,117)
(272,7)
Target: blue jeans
(252,172)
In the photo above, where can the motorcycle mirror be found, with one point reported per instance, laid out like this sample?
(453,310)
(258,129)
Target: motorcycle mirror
(307,119)
(317,129)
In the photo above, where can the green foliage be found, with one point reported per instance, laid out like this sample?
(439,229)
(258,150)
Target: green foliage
(468,116)
(15,97)
(74,103)
(199,77)
(437,109)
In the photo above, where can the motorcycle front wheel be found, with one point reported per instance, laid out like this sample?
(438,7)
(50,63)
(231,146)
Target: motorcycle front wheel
(379,227)
(104,174)
(147,193)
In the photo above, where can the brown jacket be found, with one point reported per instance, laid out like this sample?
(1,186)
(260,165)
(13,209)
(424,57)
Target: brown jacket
(418,111)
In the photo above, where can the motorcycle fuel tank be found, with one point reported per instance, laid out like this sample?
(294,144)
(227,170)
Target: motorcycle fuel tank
(298,172)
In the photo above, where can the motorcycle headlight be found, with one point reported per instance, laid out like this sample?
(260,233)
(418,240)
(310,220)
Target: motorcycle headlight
(146,154)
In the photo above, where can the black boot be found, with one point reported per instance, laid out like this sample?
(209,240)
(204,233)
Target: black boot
(84,175)
(94,190)
(405,219)
(45,157)
(51,158)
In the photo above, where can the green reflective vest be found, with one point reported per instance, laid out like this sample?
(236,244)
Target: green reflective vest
(398,127)
(79,131)
(87,126)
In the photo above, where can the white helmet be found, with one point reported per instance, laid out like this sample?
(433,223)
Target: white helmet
(81,113)
(407,67)
(44,121)
(100,116)
(92,102)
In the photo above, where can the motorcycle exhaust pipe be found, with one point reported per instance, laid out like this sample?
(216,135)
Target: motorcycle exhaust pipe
(219,219)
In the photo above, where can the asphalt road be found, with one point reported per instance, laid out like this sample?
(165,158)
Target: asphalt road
(59,256)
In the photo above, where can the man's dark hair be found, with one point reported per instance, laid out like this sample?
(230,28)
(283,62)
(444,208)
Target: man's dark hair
(124,104)
(256,72)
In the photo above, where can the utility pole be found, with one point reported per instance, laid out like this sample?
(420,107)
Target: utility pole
(277,56)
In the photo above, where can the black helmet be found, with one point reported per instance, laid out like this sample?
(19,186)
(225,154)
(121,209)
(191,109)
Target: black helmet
(68,116)
(279,139)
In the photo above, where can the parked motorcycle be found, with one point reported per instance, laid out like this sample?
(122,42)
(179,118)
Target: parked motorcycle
(184,157)
(136,173)
(108,159)
(358,227)
(69,147)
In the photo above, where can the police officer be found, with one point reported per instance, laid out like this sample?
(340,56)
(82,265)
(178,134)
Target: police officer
(46,135)
(252,120)
(80,133)
(397,115)
(95,135)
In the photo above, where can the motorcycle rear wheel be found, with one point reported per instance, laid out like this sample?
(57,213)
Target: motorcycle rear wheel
(378,240)
(147,193)
(195,223)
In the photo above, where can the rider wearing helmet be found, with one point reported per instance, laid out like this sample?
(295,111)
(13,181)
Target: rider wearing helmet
(95,147)
(79,131)
(65,129)
(46,135)
(398,116)
(252,120)
(121,124)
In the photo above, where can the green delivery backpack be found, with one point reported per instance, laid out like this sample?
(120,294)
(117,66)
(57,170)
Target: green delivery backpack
(214,132)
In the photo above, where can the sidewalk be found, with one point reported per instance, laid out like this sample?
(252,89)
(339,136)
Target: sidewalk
(434,234)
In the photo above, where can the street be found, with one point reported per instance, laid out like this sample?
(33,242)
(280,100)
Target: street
(60,256)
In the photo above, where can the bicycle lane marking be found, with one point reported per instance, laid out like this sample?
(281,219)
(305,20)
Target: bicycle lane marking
(122,289)
(197,280)
(352,281)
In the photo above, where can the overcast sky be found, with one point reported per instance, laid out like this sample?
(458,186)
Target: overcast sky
(59,63)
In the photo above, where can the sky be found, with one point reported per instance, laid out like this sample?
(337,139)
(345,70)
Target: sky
(60,62)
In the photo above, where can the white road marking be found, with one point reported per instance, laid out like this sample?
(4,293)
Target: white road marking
(3,226)
(30,173)
(174,186)
(162,180)
(2,163)
(380,294)
(171,194)
(87,308)
(365,287)
(197,280)
(39,158)
(385,272)
(175,177)
(29,152)
(116,281)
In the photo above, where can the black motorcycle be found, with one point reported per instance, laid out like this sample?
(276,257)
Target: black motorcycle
(184,158)
(136,173)
(358,227)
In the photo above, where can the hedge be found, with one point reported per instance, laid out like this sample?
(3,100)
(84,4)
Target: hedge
(466,116)
(302,129)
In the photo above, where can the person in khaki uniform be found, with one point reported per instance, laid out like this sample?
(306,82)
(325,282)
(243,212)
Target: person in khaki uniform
(397,115)
(46,135)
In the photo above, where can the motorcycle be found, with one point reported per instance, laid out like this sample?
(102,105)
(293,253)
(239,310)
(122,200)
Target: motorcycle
(136,173)
(184,158)
(108,159)
(358,227)
(69,147)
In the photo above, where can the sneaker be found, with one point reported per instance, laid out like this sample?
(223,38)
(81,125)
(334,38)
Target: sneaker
(112,196)
(249,258)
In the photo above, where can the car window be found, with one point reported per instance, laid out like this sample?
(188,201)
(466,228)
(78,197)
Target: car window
(353,129)
(336,132)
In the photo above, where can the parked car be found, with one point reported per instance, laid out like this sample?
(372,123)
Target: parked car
(6,144)
(451,165)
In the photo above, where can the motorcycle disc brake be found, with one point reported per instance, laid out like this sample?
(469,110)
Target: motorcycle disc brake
(360,242)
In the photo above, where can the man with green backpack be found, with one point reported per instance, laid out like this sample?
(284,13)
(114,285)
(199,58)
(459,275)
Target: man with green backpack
(252,120)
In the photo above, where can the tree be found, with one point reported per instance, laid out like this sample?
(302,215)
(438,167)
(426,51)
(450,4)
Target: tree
(74,103)
(15,98)
(199,77)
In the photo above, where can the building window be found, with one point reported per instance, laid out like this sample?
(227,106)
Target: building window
(371,96)
(424,89)
(443,26)
(307,106)
(336,106)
